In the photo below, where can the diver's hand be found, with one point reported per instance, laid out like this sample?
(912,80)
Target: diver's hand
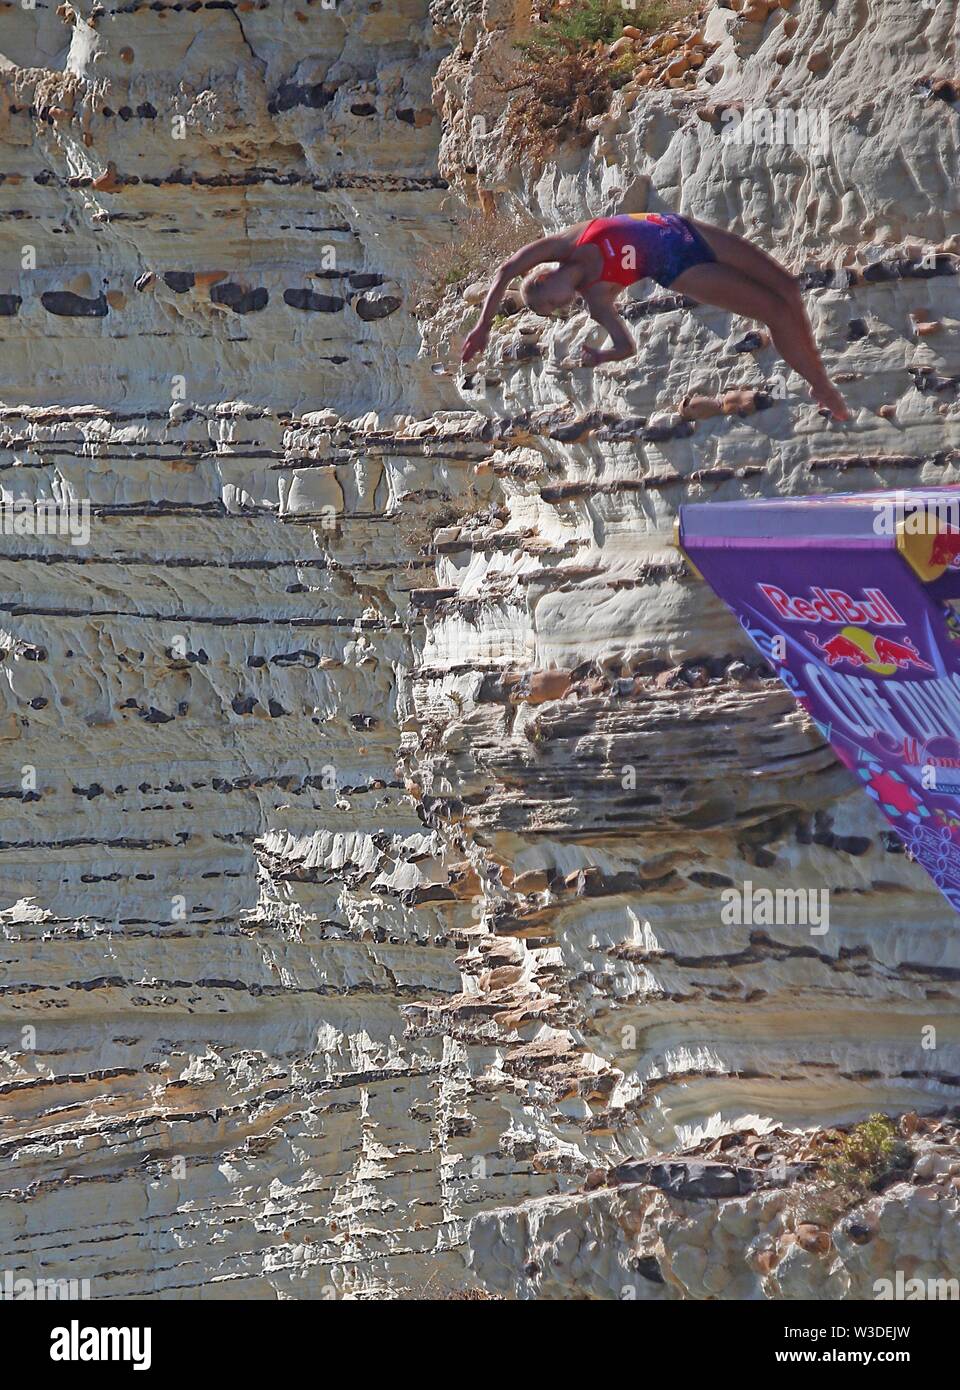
(475,342)
(591,357)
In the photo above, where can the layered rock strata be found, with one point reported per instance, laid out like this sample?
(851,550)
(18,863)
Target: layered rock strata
(375,771)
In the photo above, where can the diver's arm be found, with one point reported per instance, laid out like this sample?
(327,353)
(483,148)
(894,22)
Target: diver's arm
(548,248)
(604,311)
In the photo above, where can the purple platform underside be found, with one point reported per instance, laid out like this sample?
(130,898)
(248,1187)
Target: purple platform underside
(867,647)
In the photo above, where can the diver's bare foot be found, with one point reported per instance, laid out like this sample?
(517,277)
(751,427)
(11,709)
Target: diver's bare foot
(831,402)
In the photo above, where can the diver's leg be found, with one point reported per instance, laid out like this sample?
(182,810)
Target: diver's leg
(726,288)
(741,254)
(744,256)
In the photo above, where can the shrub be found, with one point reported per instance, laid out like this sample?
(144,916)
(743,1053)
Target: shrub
(851,1168)
(565,76)
(556,99)
(587,23)
(437,1289)
(870,1152)
(476,246)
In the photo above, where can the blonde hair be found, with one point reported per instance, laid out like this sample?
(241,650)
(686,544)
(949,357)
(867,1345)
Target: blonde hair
(531,285)
(528,290)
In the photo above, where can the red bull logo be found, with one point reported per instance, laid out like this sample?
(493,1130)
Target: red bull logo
(881,655)
(833,606)
(840,648)
(900,654)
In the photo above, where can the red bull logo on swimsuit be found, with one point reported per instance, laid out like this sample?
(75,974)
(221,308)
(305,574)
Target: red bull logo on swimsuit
(833,606)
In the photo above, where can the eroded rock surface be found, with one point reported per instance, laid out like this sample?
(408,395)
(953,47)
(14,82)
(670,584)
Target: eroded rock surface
(373,776)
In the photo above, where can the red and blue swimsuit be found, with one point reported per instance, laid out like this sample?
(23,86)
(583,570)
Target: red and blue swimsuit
(635,245)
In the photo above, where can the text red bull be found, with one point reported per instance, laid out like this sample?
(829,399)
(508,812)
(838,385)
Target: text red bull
(833,606)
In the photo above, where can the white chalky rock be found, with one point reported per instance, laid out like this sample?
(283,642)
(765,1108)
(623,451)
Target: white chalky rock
(272,758)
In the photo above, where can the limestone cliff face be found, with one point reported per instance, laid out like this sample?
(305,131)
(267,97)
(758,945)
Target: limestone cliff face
(212,879)
(373,773)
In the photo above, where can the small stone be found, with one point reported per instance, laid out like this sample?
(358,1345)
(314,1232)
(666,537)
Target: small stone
(540,687)
(813,1239)
(699,407)
(107,182)
(930,1165)
(665,680)
(742,401)
(531,881)
(751,342)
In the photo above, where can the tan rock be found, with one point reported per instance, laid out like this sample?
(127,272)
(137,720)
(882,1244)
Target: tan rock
(107,182)
(542,686)
(700,407)
(813,1238)
(620,48)
(531,881)
(742,401)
